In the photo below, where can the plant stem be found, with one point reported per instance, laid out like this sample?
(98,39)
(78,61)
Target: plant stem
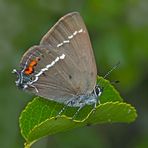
(27,145)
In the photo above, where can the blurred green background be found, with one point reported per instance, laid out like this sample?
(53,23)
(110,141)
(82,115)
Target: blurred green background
(118,31)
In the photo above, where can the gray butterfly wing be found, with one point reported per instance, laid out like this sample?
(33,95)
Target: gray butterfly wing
(70,35)
(73,75)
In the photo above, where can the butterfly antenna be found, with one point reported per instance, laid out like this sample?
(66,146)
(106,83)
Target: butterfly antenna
(113,68)
(108,73)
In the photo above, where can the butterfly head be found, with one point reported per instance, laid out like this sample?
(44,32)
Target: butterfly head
(98,90)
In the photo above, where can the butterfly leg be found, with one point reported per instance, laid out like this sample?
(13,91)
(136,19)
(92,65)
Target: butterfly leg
(81,106)
(63,109)
(95,105)
(97,101)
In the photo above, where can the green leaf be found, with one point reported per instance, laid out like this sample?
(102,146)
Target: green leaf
(39,117)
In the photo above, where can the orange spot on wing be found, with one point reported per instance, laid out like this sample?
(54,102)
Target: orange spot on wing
(30,68)
(33,63)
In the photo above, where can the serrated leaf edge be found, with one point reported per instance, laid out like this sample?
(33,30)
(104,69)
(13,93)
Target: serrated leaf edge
(79,121)
(20,118)
(111,86)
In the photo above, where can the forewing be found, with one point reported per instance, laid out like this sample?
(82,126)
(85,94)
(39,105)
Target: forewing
(69,35)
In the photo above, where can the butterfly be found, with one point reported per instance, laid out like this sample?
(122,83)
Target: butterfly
(62,67)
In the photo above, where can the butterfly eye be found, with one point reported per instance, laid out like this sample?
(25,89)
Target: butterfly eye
(98,90)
